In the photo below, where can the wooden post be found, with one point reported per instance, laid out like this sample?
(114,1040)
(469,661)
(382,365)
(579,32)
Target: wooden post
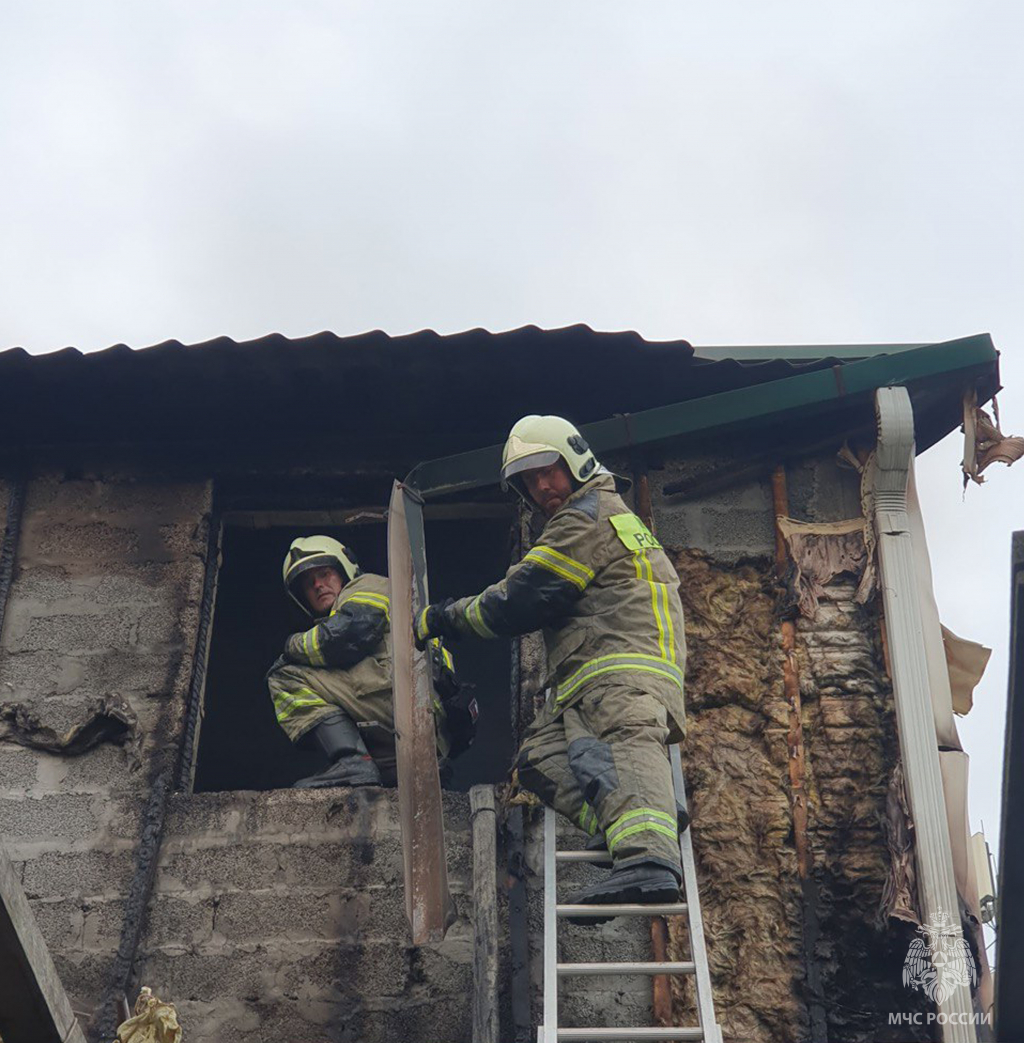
(34,1008)
(797,767)
(419,787)
(485,910)
(791,686)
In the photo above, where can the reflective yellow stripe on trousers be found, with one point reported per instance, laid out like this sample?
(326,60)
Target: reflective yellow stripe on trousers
(285,703)
(641,820)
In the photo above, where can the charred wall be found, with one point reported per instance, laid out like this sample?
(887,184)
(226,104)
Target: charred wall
(95,659)
(769,936)
(279,915)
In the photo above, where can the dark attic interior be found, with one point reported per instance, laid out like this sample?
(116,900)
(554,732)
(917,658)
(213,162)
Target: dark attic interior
(241,746)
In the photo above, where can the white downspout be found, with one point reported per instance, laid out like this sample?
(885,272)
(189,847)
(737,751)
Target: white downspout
(914,716)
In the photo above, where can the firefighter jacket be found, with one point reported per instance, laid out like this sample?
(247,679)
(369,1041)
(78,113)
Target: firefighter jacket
(344,661)
(605,595)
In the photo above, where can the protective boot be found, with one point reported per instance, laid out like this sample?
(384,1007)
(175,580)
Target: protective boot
(351,763)
(646,883)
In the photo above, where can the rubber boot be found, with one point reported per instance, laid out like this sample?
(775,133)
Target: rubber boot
(646,883)
(351,763)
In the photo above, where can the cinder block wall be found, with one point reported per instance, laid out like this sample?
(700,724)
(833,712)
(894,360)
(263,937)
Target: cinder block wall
(280,915)
(103,608)
(274,912)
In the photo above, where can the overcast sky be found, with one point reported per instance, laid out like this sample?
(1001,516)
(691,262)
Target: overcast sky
(730,173)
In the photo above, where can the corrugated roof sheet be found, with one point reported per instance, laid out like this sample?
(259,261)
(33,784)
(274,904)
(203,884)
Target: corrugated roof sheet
(374,400)
(466,387)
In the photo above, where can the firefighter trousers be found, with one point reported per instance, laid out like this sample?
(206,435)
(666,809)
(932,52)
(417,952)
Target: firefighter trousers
(603,763)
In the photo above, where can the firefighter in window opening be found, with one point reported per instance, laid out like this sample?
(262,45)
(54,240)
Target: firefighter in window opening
(605,596)
(331,687)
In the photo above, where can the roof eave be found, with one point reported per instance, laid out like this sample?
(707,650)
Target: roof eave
(806,394)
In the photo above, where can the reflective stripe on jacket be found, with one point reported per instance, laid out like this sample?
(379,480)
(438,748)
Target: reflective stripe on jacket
(344,660)
(605,594)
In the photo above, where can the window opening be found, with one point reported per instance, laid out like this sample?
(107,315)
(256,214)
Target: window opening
(241,746)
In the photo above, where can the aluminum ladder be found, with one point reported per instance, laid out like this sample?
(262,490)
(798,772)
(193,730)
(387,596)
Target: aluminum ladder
(549,1032)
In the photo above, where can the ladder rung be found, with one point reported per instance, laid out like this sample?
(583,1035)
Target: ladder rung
(601,1035)
(675,909)
(567,970)
(597,857)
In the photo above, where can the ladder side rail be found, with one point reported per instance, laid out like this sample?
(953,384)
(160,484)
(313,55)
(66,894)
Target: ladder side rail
(549,1032)
(698,948)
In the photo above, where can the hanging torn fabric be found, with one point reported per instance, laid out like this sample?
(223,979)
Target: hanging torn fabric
(899,895)
(966,662)
(820,552)
(984,443)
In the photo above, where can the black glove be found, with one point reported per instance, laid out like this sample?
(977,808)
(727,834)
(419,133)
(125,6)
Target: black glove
(434,621)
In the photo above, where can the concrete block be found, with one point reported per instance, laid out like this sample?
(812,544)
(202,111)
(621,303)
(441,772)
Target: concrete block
(89,925)
(820,490)
(184,921)
(362,813)
(605,1006)
(58,817)
(86,977)
(17,768)
(99,631)
(123,815)
(189,974)
(738,529)
(444,1020)
(202,814)
(366,812)
(85,874)
(49,584)
(60,541)
(305,916)
(120,520)
(104,769)
(158,626)
(213,869)
(183,538)
(40,675)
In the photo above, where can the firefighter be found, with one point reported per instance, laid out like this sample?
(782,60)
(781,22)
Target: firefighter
(605,595)
(331,687)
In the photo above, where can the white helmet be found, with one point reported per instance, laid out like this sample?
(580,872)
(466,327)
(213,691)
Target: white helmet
(309,552)
(538,441)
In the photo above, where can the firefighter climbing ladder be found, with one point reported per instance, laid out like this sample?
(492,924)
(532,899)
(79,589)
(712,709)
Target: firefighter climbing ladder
(707,1031)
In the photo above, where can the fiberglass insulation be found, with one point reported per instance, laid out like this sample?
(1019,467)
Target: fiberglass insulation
(736,762)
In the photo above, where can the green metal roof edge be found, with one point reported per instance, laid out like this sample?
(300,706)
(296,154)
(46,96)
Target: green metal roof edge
(479,467)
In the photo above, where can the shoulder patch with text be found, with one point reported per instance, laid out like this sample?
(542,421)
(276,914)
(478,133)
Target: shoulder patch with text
(633,533)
